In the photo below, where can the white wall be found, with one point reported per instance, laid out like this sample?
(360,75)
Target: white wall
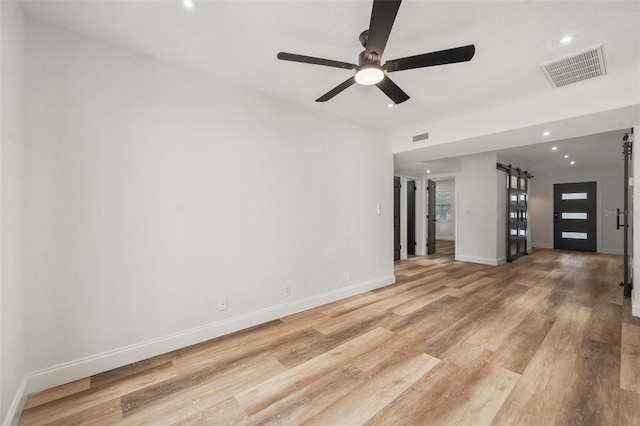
(446,230)
(479,236)
(155,190)
(12,343)
(609,180)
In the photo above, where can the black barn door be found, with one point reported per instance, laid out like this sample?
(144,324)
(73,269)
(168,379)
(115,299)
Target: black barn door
(411,217)
(396,218)
(574,206)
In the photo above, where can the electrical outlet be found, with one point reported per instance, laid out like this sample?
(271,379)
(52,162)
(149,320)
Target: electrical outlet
(287,290)
(348,276)
(222,303)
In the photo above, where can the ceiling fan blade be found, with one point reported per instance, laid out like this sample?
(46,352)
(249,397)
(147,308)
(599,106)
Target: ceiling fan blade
(442,57)
(392,90)
(316,61)
(339,88)
(383,15)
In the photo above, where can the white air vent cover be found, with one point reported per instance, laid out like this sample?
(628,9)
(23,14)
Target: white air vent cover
(579,66)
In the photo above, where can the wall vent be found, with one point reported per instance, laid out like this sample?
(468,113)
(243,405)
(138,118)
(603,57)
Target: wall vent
(588,63)
(421,137)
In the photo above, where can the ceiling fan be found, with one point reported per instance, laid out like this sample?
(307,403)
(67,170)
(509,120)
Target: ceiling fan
(369,70)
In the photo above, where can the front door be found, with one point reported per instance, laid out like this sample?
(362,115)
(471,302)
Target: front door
(574,206)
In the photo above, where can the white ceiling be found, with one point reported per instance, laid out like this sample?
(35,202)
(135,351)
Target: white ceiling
(238,41)
(591,150)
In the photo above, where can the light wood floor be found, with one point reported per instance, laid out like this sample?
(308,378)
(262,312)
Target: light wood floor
(545,340)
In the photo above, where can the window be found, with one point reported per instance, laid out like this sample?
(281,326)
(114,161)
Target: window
(443,206)
(574,215)
(574,196)
(575,235)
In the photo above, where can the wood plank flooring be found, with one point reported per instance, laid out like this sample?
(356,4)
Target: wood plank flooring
(545,340)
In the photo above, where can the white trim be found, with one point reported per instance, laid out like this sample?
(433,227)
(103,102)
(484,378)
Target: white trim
(542,245)
(88,366)
(482,260)
(15,409)
(612,251)
(446,237)
(635,309)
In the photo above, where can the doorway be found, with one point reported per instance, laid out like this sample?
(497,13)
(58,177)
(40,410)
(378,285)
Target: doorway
(574,217)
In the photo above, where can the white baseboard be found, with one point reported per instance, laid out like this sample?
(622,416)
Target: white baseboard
(635,307)
(611,251)
(13,415)
(482,260)
(542,245)
(84,367)
(445,237)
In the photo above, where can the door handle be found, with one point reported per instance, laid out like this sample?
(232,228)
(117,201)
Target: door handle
(618,224)
(556,218)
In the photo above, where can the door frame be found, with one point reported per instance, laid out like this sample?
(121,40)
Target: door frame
(599,214)
(423,208)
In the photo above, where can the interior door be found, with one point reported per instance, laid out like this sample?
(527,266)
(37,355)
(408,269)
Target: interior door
(626,212)
(411,217)
(431,216)
(396,218)
(574,206)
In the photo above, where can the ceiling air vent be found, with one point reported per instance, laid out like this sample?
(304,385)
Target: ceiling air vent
(421,137)
(579,66)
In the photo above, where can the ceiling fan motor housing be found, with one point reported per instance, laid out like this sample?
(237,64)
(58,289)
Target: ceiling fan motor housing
(364,59)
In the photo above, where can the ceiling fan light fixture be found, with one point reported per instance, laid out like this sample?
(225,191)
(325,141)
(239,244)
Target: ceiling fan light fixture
(369,74)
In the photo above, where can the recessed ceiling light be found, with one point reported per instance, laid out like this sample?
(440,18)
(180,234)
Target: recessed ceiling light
(554,148)
(189,4)
(566,39)
(428,171)
(546,133)
(390,105)
(566,156)
(572,162)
